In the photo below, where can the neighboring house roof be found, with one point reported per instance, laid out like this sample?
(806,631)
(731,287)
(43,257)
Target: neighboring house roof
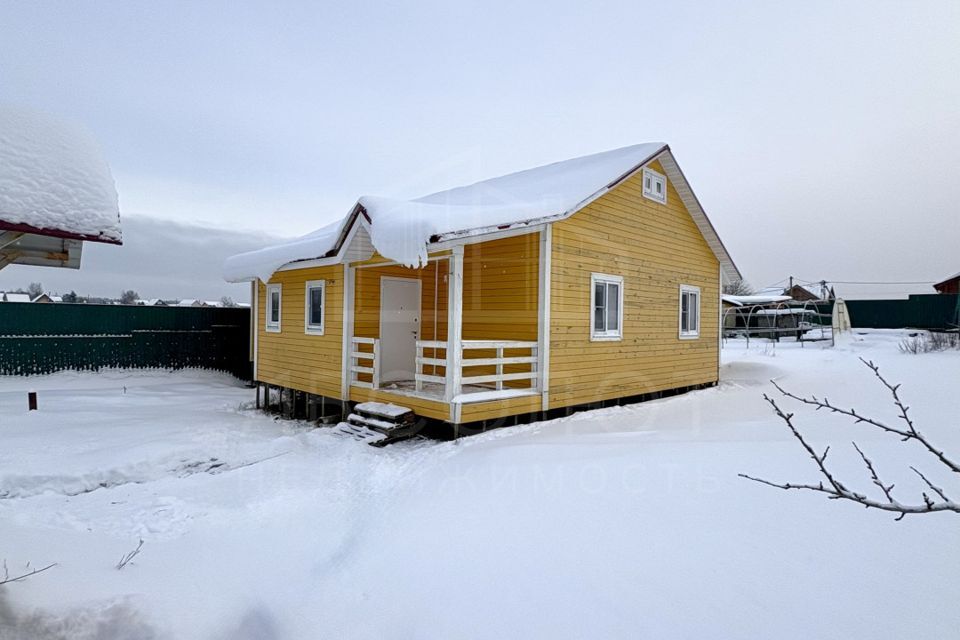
(212,303)
(187,303)
(945,281)
(16,297)
(47,298)
(801,293)
(54,180)
(56,191)
(402,230)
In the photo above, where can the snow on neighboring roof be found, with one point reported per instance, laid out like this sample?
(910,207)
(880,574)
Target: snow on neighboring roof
(17,297)
(400,230)
(754,299)
(190,302)
(53,177)
(783,312)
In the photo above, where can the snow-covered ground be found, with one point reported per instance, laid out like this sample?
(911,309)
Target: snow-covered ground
(626,522)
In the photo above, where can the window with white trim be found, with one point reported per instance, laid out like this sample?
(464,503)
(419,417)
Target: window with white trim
(689,311)
(606,307)
(273,307)
(314,307)
(655,186)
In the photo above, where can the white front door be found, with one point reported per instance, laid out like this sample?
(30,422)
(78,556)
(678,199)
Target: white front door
(399,327)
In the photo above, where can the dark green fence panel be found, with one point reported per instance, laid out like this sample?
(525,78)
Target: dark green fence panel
(42,338)
(933,311)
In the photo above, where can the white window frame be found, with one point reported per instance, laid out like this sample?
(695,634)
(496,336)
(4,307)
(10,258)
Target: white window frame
(650,180)
(606,335)
(689,334)
(273,327)
(310,328)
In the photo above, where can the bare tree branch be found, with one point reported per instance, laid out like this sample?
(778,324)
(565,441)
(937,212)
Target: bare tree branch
(907,433)
(6,573)
(834,488)
(932,486)
(130,555)
(887,489)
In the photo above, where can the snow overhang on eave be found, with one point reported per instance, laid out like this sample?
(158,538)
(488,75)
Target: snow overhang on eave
(57,233)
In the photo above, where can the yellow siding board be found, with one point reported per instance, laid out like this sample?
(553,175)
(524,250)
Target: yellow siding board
(292,358)
(656,248)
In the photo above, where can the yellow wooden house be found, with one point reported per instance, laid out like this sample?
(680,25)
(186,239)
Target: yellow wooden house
(589,281)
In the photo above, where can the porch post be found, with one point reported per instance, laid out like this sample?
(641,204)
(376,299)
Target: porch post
(347,346)
(543,317)
(454,326)
(255,325)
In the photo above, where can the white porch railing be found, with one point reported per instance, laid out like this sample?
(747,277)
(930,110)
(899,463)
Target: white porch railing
(496,379)
(357,355)
(422,361)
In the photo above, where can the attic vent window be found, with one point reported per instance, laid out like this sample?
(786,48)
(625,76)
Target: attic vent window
(654,186)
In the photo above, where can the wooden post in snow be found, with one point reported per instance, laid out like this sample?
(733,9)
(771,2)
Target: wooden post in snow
(32,400)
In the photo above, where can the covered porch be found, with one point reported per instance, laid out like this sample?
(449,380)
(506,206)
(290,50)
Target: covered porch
(464,329)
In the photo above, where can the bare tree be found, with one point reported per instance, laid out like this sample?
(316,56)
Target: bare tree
(227,301)
(35,289)
(129,297)
(933,501)
(738,288)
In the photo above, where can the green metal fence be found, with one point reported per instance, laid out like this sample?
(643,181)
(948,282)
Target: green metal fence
(928,311)
(43,338)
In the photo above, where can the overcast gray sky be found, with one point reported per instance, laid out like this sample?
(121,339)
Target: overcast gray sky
(823,138)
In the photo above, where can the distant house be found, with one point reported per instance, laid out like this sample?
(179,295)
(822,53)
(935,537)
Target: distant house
(801,294)
(190,302)
(950,285)
(591,280)
(152,302)
(15,297)
(47,298)
(57,192)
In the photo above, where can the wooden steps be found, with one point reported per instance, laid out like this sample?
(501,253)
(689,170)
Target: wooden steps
(392,422)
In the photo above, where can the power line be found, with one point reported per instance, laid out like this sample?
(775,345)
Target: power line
(874,282)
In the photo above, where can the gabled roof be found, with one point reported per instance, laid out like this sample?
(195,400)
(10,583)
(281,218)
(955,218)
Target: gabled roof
(946,280)
(402,230)
(16,297)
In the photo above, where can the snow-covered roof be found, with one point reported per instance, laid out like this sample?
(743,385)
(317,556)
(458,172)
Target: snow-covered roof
(54,180)
(793,311)
(16,297)
(401,230)
(190,302)
(49,297)
(741,301)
